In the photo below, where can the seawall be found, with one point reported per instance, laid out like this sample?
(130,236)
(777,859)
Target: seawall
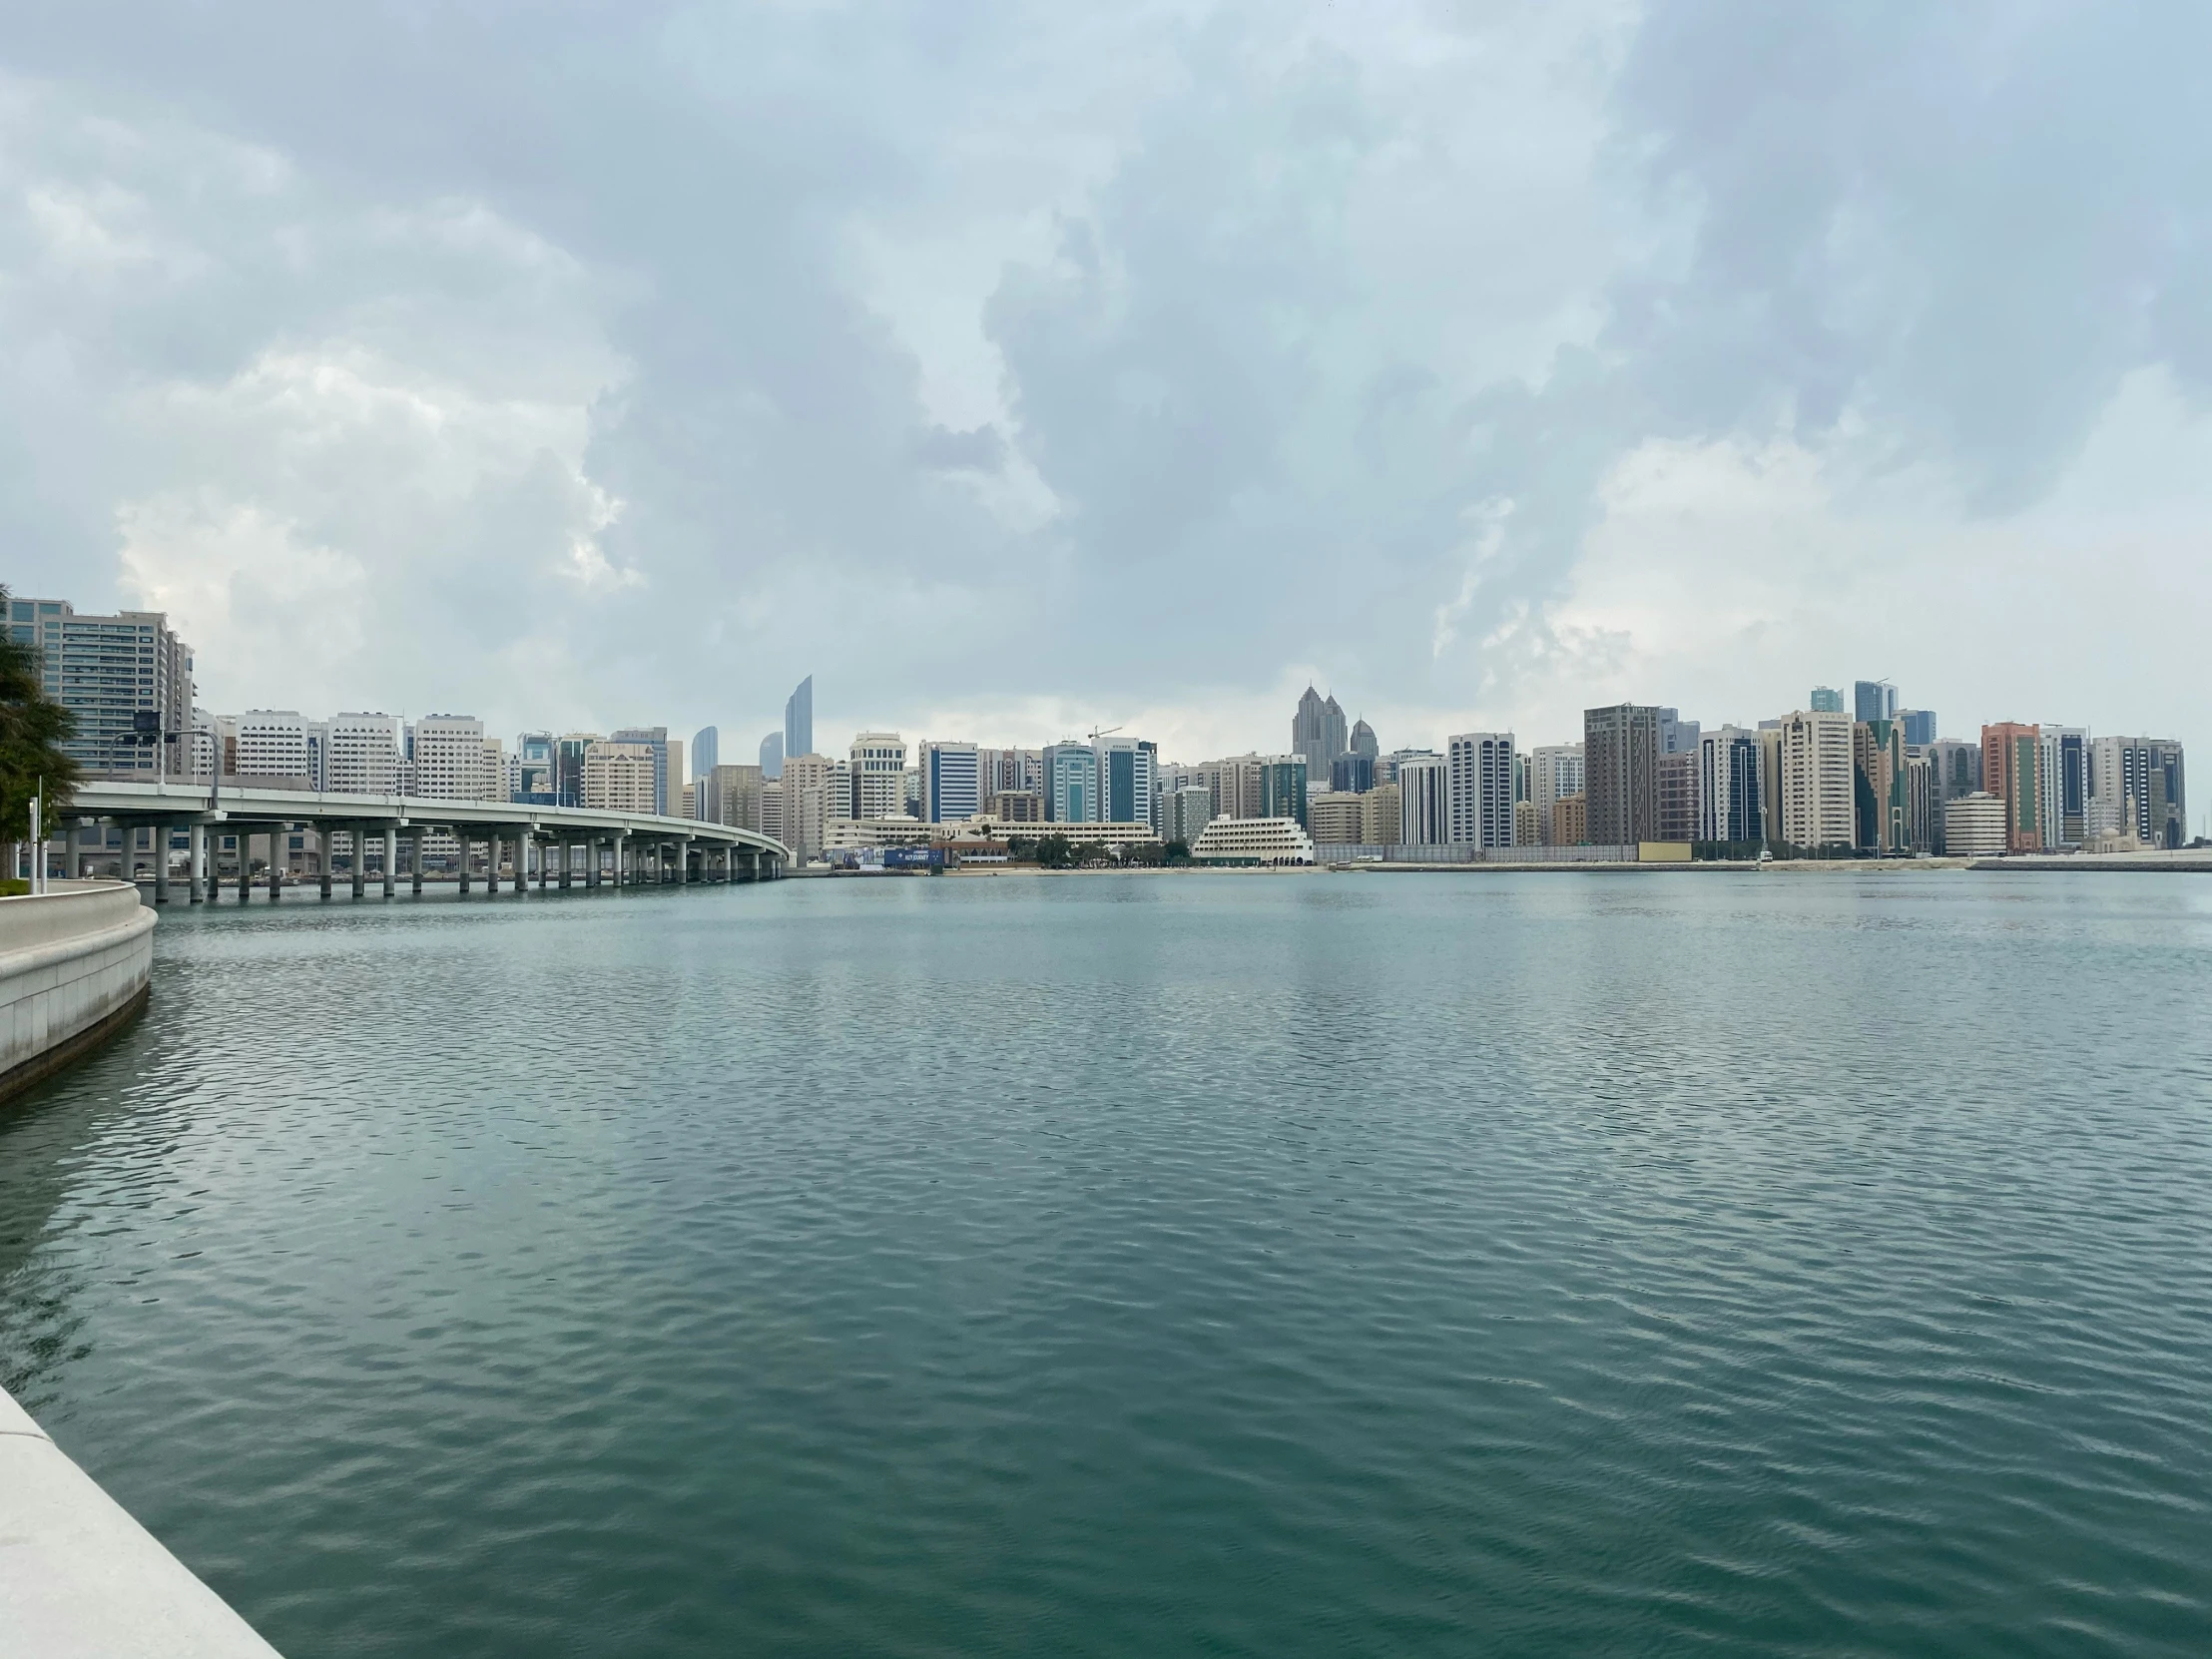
(72,967)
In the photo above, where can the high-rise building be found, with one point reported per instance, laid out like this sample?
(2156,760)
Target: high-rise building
(952,784)
(1381,815)
(1570,822)
(816,790)
(448,756)
(2142,778)
(1352,773)
(1124,779)
(532,769)
(705,751)
(1318,732)
(879,773)
(1880,787)
(1424,799)
(1363,740)
(1954,771)
(1919,727)
(1283,787)
(569,749)
(1872,699)
(622,777)
(1731,797)
(1818,805)
(1185,811)
(1071,784)
(1333,817)
(1676,735)
(771,805)
(771,757)
(1827,699)
(1235,783)
(1681,802)
(1554,773)
(365,756)
(2066,785)
(668,765)
(732,796)
(1620,773)
(1480,772)
(126,678)
(798,720)
(2012,770)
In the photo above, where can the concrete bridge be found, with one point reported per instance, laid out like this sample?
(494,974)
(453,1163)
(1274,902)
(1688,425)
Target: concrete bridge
(571,845)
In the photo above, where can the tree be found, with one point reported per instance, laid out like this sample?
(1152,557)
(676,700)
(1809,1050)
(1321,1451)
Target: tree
(32,729)
(1055,852)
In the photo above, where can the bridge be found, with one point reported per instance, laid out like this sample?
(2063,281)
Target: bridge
(571,844)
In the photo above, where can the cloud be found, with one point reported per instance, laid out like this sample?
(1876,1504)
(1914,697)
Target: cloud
(1025,362)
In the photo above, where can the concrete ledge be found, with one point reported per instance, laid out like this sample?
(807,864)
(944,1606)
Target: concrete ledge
(74,964)
(80,1579)
(42,1066)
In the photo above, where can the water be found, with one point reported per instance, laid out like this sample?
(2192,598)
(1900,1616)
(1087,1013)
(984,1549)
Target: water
(1228,1264)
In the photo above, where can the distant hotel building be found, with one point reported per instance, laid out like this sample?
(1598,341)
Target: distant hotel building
(1254,840)
(2012,770)
(1974,826)
(1620,773)
(1424,799)
(1731,799)
(952,783)
(1819,797)
(1480,768)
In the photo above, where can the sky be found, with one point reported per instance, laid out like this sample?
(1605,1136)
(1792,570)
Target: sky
(1020,369)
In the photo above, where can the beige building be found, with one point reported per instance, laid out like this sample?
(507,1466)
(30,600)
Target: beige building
(1818,805)
(1525,832)
(1974,825)
(1334,816)
(619,778)
(449,757)
(816,790)
(1264,840)
(1380,808)
(984,828)
(855,835)
(732,796)
(1570,822)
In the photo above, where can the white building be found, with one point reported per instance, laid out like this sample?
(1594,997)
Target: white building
(879,773)
(1480,773)
(817,789)
(1731,785)
(449,758)
(1818,805)
(1554,774)
(365,754)
(273,742)
(1974,826)
(1262,840)
(1424,799)
(857,835)
(1185,811)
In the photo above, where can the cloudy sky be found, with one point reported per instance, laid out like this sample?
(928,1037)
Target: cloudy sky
(1017,368)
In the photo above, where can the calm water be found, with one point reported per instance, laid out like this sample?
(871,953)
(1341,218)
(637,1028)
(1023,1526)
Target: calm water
(1225,1265)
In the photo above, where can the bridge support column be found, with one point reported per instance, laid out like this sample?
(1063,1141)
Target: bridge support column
(460,840)
(682,861)
(72,844)
(568,849)
(391,859)
(196,840)
(163,833)
(622,845)
(360,859)
(277,834)
(246,863)
(414,861)
(325,839)
(545,858)
(491,862)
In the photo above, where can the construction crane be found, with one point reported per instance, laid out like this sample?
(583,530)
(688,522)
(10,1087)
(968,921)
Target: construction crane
(1107,732)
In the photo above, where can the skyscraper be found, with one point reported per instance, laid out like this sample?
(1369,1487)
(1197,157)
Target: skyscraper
(2139,784)
(1827,699)
(950,784)
(2012,770)
(1124,779)
(1818,799)
(1363,741)
(1283,786)
(798,720)
(1481,781)
(668,763)
(879,773)
(771,757)
(1352,773)
(1881,799)
(1919,727)
(1874,699)
(705,751)
(1554,773)
(1731,800)
(1071,784)
(1318,732)
(1620,773)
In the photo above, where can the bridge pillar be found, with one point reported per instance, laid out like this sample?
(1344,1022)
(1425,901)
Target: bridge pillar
(277,834)
(414,861)
(545,857)
(682,861)
(460,840)
(568,851)
(72,844)
(325,838)
(196,840)
(246,863)
(491,862)
(360,858)
(162,833)
(392,859)
(621,843)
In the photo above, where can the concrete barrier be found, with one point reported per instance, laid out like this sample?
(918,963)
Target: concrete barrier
(72,967)
(80,1579)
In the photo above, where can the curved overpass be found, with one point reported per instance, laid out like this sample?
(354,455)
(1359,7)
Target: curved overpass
(570,841)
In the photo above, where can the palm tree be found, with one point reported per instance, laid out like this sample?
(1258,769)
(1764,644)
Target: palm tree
(33,728)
